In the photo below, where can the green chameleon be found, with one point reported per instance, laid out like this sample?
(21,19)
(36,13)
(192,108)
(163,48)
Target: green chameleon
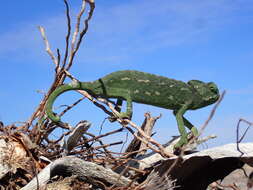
(146,88)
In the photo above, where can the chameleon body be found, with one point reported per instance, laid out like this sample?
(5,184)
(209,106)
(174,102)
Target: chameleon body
(140,87)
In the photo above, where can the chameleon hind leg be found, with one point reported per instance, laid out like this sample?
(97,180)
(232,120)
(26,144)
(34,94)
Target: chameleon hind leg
(129,107)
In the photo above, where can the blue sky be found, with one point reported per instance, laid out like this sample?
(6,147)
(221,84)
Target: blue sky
(208,40)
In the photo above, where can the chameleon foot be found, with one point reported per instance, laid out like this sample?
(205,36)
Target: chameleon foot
(112,119)
(183,141)
(121,115)
(124,115)
(178,147)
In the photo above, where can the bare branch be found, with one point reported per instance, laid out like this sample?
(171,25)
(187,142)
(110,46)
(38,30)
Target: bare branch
(238,141)
(81,35)
(212,113)
(48,50)
(57,68)
(77,26)
(68,34)
(71,106)
(61,72)
(104,135)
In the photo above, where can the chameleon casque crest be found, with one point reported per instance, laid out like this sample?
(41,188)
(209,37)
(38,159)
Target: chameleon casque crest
(140,87)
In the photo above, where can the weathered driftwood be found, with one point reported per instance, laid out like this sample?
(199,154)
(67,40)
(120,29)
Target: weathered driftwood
(84,170)
(155,182)
(12,156)
(4,167)
(238,178)
(136,144)
(149,160)
(198,170)
(71,141)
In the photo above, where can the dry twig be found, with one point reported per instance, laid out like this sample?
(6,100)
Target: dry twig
(239,140)
(48,49)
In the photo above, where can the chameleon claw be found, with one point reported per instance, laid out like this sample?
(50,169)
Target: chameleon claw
(122,115)
(181,143)
(112,119)
(194,131)
(184,140)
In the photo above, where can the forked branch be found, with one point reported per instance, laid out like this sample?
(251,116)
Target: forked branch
(62,70)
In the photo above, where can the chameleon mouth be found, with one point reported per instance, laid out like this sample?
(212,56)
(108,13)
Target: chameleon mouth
(212,99)
(216,97)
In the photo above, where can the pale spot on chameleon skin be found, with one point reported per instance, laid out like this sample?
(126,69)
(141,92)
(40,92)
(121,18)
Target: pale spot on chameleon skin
(136,91)
(162,83)
(157,93)
(125,78)
(207,98)
(171,97)
(183,88)
(146,81)
(148,93)
(74,83)
(171,86)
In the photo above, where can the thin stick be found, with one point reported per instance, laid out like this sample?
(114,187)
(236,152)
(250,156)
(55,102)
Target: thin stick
(237,133)
(93,100)
(48,50)
(71,106)
(77,26)
(107,145)
(212,113)
(81,35)
(68,34)
(57,68)
(103,135)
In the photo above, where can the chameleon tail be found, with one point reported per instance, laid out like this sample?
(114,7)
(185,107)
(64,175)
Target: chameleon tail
(61,89)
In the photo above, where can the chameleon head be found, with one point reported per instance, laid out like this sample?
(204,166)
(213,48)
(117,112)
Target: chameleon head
(206,93)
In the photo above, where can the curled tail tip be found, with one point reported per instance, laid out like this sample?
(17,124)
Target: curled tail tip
(52,116)
(55,118)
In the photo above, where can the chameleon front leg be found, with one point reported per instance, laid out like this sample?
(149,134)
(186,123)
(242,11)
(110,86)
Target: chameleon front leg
(189,125)
(180,123)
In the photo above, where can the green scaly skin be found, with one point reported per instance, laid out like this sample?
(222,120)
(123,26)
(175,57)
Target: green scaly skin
(146,88)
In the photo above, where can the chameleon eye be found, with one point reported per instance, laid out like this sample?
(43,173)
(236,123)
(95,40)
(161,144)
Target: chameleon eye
(213,87)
